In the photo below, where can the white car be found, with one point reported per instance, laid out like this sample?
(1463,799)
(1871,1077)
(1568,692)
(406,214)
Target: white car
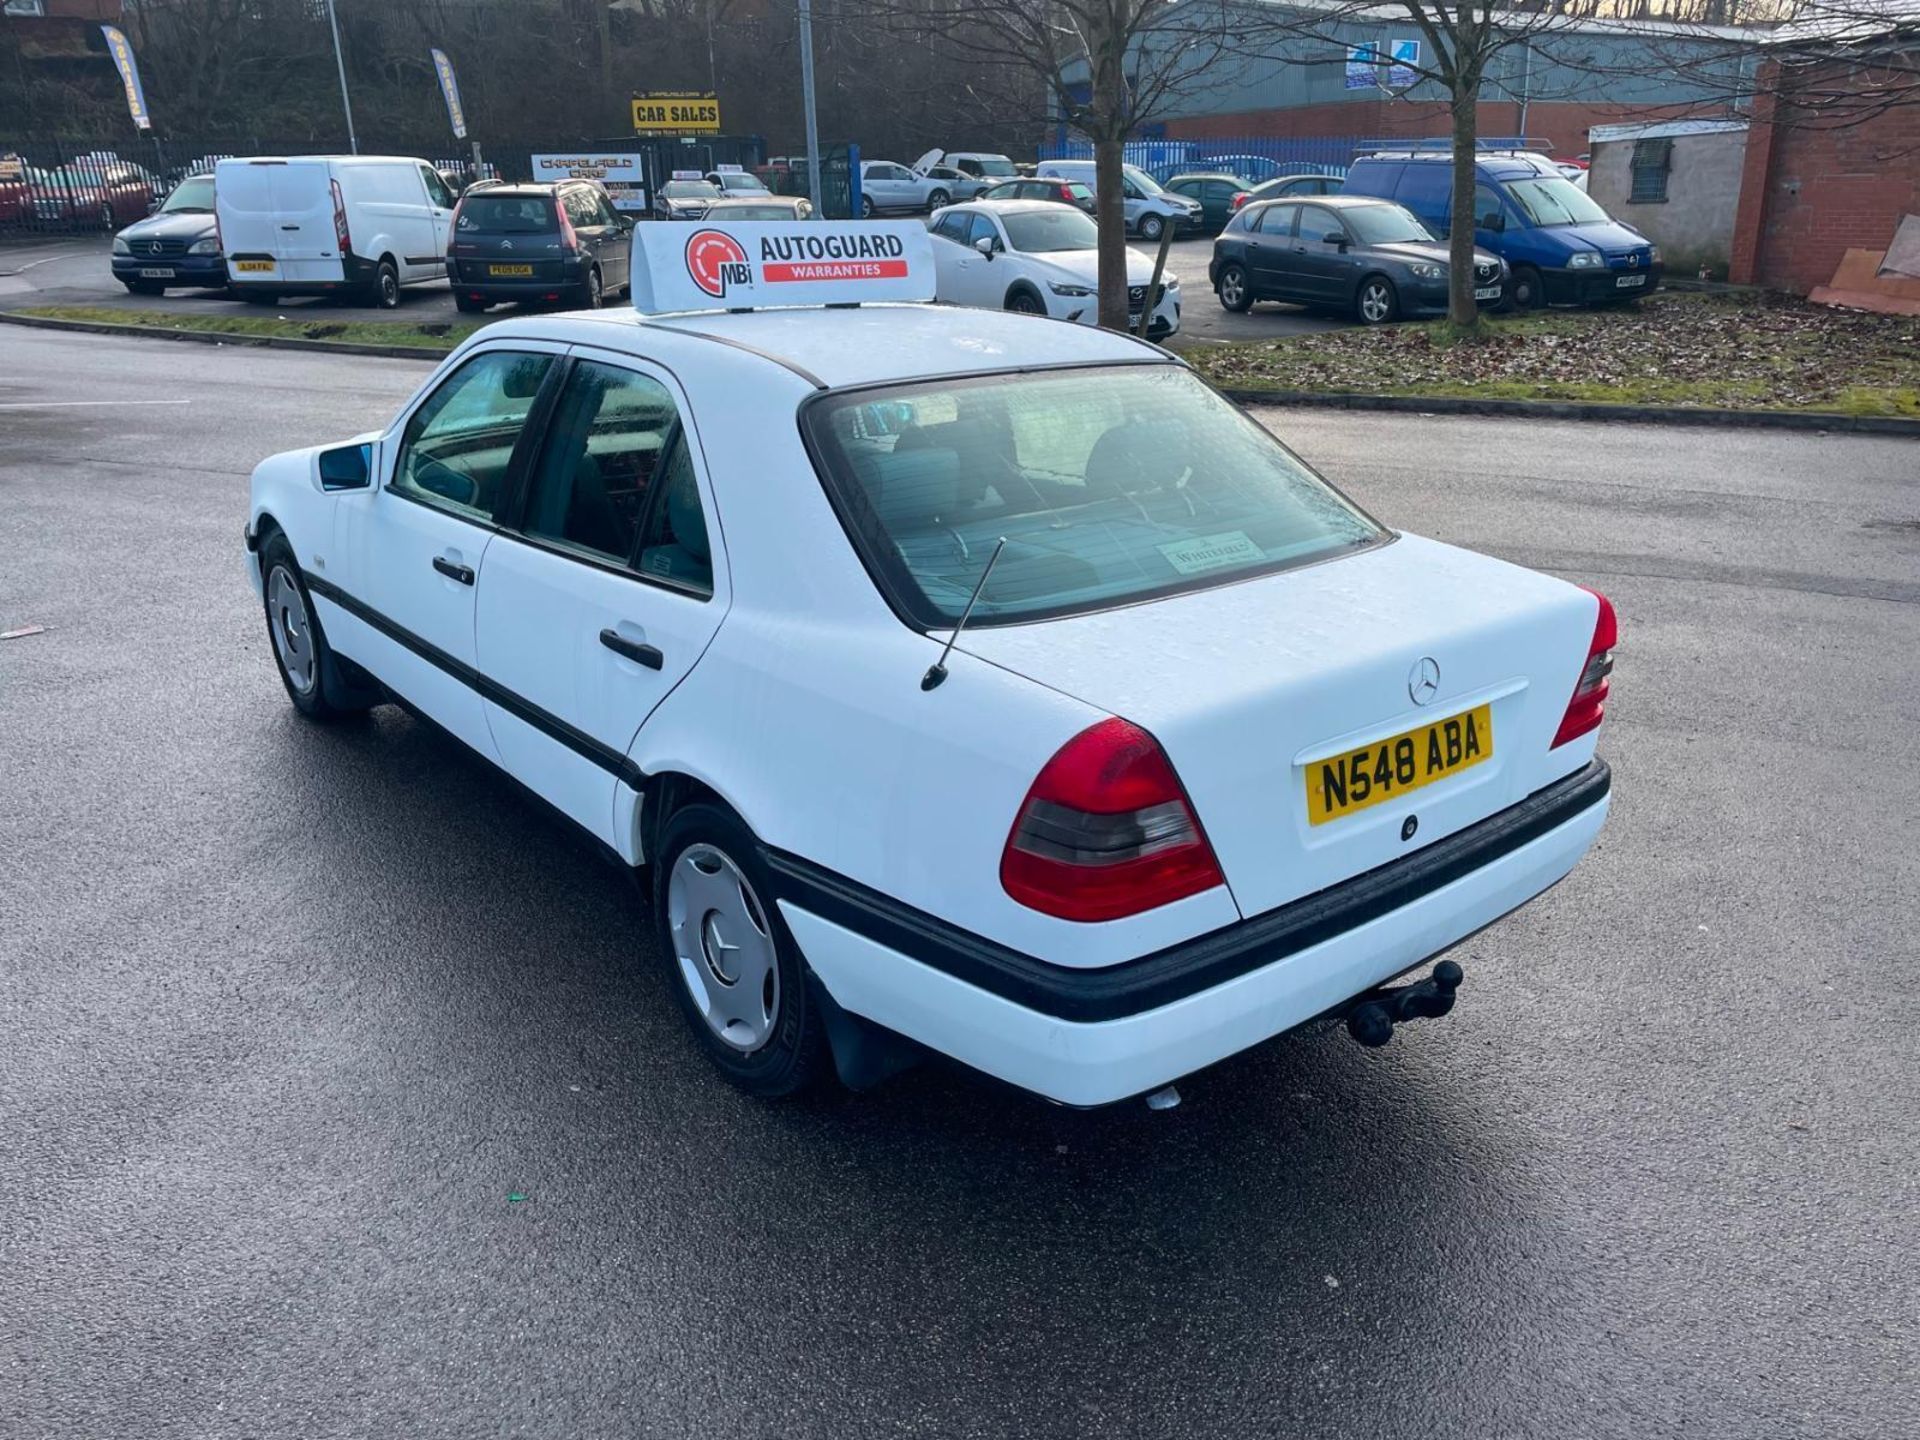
(1038,257)
(1149,207)
(735,182)
(1017,695)
(887,188)
(966,172)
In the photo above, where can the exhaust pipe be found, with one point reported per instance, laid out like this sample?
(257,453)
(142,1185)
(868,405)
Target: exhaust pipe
(1373,1015)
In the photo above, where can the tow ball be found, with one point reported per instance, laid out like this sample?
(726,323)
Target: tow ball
(1373,1016)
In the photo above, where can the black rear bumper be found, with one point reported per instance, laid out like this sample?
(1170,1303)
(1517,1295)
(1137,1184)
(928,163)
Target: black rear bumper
(1116,991)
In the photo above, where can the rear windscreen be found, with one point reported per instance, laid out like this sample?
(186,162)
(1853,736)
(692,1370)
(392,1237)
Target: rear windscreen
(1109,486)
(508,215)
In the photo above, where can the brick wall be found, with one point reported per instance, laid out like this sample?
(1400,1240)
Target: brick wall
(1809,192)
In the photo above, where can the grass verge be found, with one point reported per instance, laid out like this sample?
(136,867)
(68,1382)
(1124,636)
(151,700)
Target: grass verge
(294,325)
(1745,352)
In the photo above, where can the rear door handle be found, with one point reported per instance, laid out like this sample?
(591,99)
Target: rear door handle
(634,650)
(462,573)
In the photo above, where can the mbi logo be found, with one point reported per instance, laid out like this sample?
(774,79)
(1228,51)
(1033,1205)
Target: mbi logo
(717,263)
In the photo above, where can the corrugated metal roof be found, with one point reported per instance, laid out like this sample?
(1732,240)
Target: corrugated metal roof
(1662,130)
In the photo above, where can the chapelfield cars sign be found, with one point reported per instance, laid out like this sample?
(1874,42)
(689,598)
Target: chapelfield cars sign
(676,112)
(764,263)
(624,176)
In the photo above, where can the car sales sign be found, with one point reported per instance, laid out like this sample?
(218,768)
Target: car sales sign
(753,265)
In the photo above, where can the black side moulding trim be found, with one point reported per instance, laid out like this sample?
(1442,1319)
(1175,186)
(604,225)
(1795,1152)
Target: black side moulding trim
(1116,991)
(549,724)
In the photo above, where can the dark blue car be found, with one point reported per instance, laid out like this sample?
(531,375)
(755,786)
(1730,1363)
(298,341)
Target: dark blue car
(177,245)
(1560,246)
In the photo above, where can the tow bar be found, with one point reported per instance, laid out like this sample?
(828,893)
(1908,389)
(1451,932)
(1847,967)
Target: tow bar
(1374,1014)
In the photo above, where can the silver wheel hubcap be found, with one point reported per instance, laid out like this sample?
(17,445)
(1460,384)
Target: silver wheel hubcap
(1373,303)
(1231,287)
(723,945)
(292,631)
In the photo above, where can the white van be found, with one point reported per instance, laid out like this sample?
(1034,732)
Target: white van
(1149,208)
(324,224)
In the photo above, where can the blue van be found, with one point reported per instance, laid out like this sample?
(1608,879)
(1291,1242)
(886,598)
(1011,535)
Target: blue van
(1562,248)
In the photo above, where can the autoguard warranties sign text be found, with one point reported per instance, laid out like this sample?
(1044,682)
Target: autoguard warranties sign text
(718,263)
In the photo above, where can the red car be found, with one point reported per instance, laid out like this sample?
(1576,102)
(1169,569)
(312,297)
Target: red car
(87,193)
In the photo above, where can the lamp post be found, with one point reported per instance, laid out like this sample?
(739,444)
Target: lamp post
(806,100)
(333,23)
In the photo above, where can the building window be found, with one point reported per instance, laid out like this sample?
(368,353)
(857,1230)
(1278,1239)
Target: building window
(26,7)
(1652,161)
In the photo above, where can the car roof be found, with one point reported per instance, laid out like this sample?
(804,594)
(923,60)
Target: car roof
(858,345)
(1334,202)
(1007,207)
(1205,175)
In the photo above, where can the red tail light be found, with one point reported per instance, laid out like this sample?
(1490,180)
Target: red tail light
(1589,704)
(340,234)
(1066,193)
(1239,198)
(568,239)
(1107,831)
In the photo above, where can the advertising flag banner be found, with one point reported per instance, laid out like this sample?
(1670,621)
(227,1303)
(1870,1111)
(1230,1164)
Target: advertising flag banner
(450,88)
(129,69)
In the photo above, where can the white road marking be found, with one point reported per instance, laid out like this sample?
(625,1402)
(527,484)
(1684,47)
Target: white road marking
(69,404)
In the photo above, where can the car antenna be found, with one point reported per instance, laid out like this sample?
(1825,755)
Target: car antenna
(937,671)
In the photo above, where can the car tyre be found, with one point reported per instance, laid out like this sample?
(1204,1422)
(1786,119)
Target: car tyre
(144,287)
(1151,227)
(107,221)
(1528,291)
(866,207)
(1235,292)
(938,200)
(1376,302)
(307,666)
(386,285)
(467,305)
(1022,301)
(591,294)
(735,969)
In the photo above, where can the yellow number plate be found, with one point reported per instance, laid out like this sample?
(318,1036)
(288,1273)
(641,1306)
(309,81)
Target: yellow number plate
(510,270)
(1387,769)
(253,265)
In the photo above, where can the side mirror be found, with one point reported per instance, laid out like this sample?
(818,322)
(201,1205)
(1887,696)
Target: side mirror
(1495,222)
(986,245)
(1336,237)
(350,467)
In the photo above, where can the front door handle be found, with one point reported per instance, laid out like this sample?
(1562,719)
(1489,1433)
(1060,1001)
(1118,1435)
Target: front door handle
(634,650)
(462,573)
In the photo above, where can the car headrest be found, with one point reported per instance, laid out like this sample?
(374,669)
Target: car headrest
(1140,455)
(916,489)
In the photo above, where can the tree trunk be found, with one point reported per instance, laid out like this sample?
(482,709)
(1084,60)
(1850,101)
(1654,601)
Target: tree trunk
(1110,212)
(1462,308)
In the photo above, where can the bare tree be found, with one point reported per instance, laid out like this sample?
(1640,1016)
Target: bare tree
(1104,68)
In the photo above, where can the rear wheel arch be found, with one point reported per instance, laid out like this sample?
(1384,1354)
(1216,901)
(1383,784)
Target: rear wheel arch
(668,791)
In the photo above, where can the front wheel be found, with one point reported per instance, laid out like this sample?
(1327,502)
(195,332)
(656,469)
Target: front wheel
(591,296)
(939,199)
(736,971)
(1025,302)
(866,207)
(1376,303)
(1528,291)
(1235,293)
(299,646)
(1151,227)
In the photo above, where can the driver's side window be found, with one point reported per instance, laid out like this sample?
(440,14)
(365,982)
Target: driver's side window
(458,446)
(982,229)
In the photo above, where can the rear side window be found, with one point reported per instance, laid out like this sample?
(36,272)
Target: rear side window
(508,214)
(1278,219)
(1110,484)
(601,457)
(1375,177)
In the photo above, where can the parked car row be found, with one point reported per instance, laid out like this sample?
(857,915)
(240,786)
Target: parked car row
(90,192)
